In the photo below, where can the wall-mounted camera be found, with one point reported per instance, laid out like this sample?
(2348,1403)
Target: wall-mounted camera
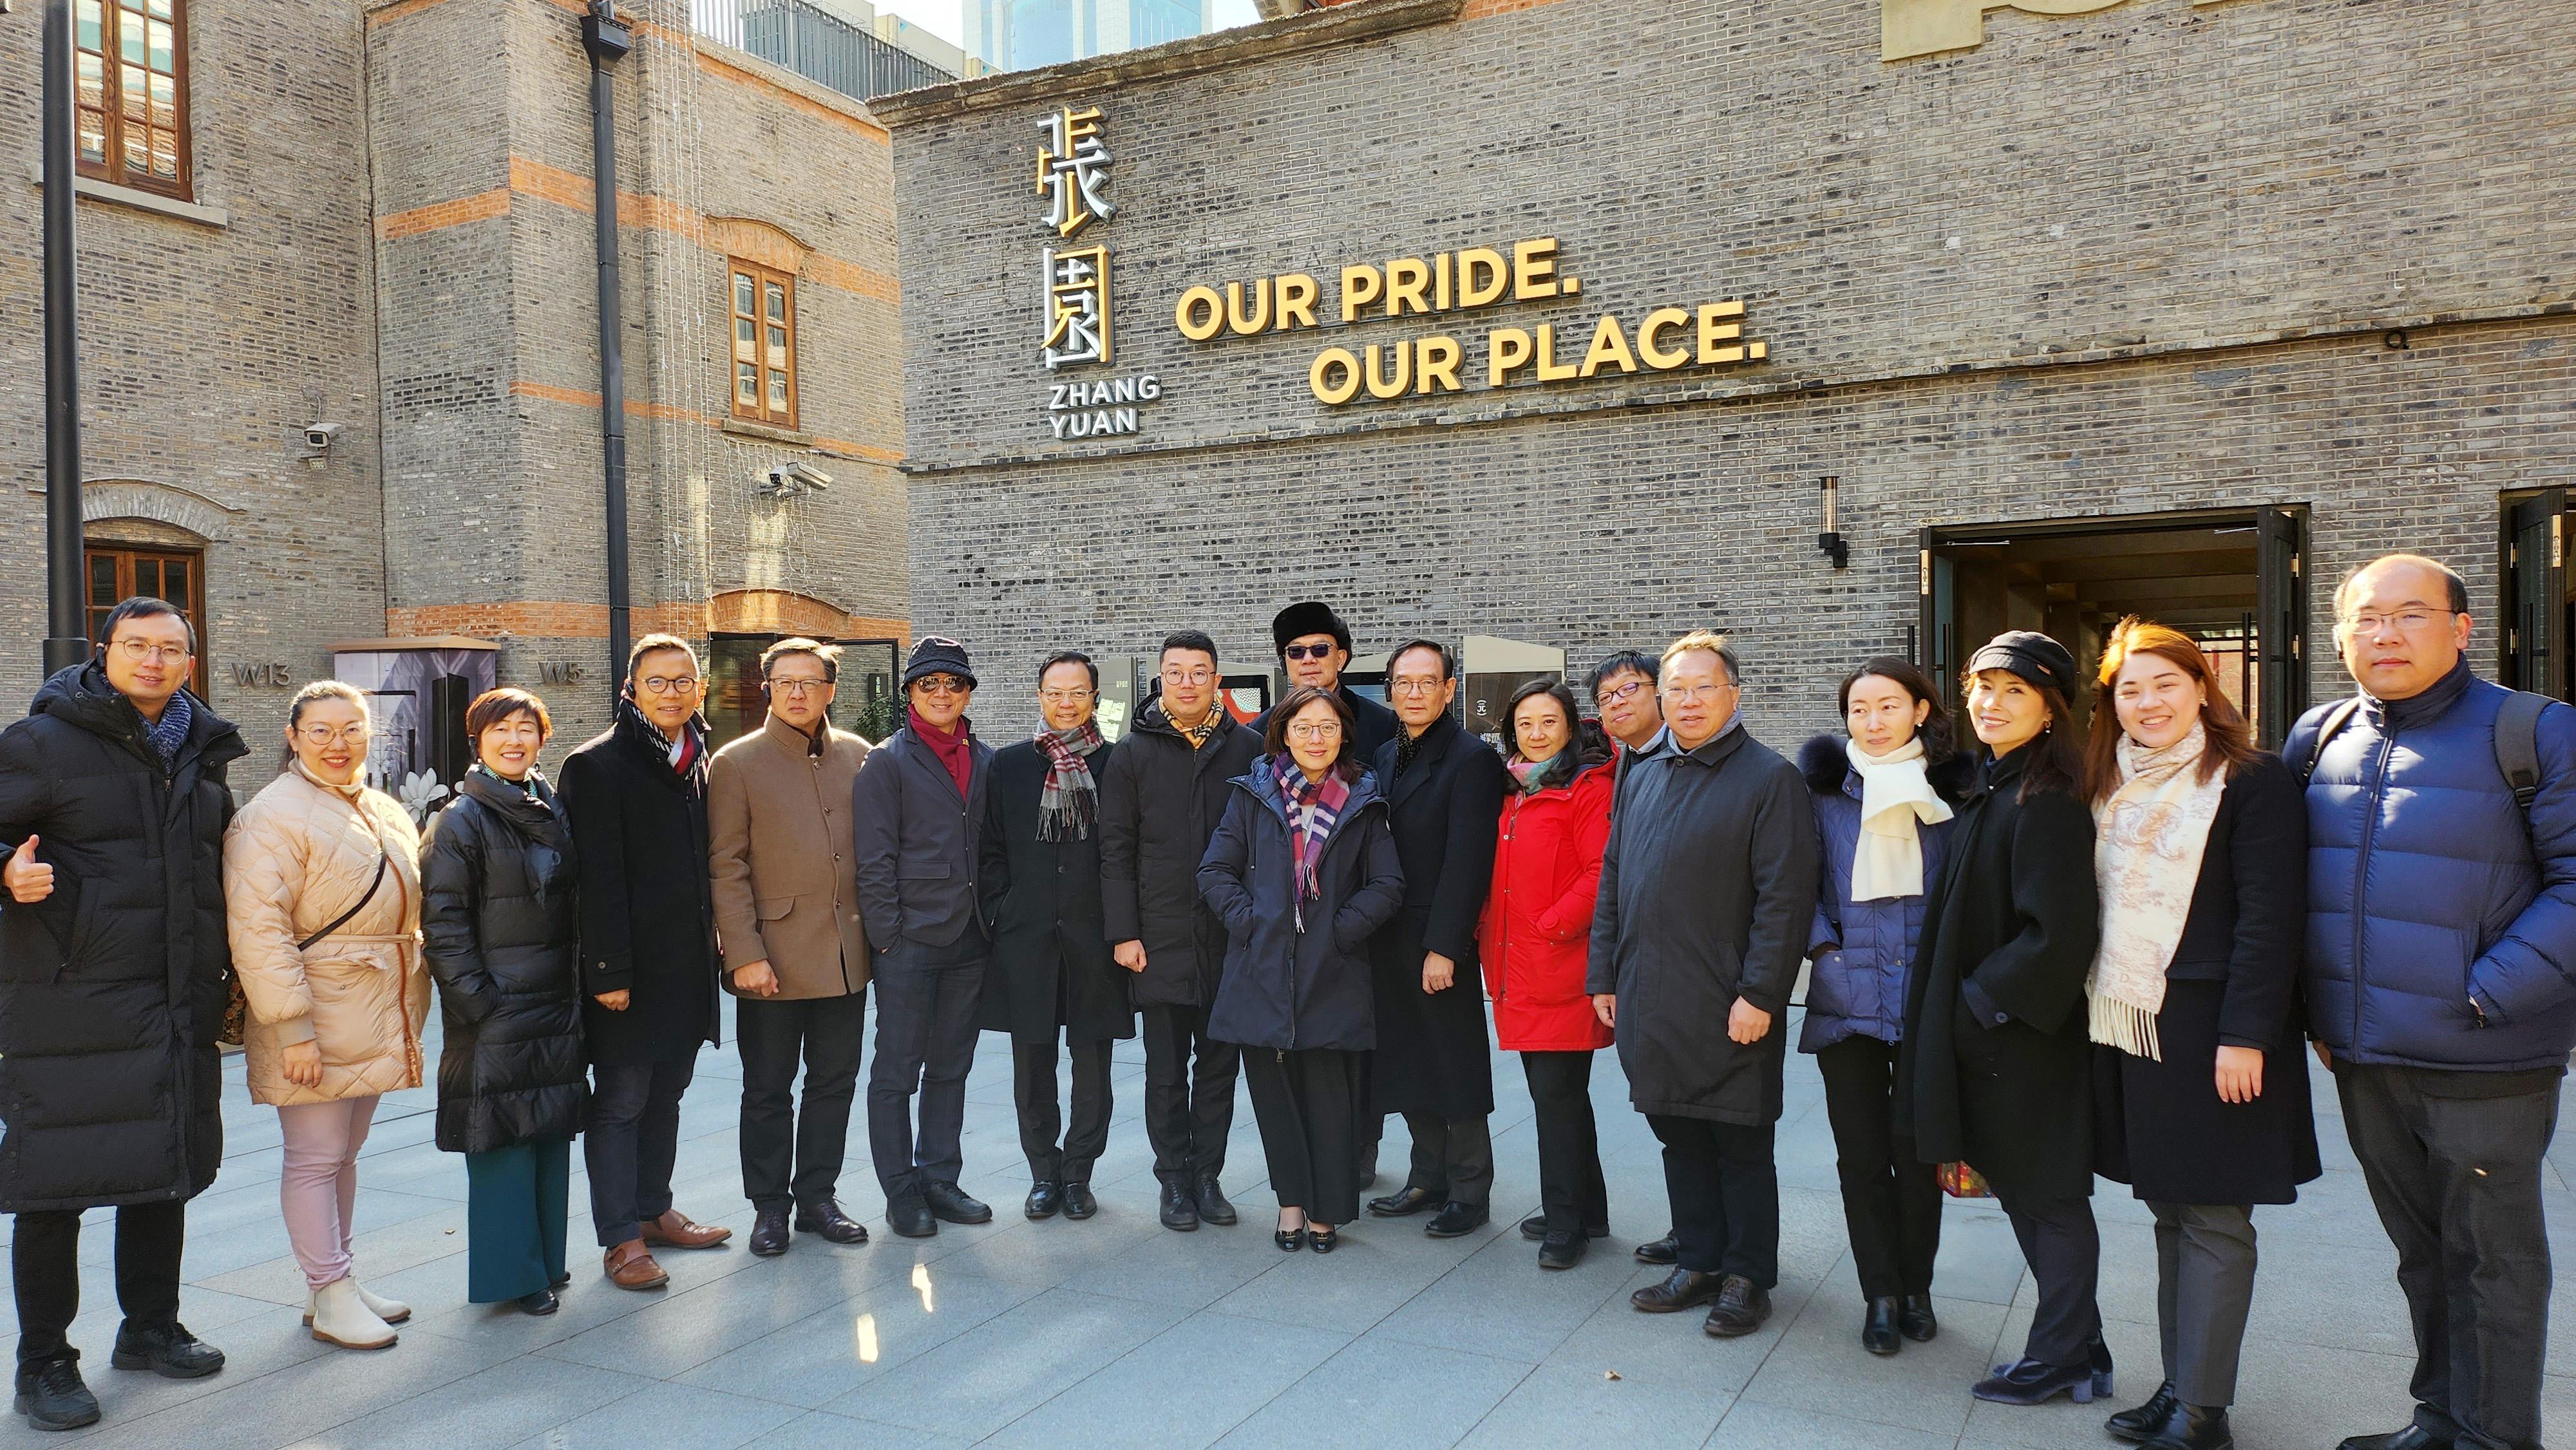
(786,480)
(318,437)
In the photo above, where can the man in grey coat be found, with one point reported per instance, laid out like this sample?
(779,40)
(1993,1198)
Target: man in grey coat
(1706,890)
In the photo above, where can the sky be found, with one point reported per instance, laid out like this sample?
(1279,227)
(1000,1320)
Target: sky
(946,18)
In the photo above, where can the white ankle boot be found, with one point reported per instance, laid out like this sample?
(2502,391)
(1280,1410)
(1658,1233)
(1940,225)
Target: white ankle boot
(392,1311)
(340,1317)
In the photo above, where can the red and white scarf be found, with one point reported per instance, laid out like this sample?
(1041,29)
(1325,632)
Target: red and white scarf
(1071,800)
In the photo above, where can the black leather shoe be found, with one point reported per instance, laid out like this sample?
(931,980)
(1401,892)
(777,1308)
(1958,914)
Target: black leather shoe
(1562,1251)
(1323,1240)
(1213,1207)
(170,1352)
(1682,1289)
(1916,1319)
(52,1395)
(1740,1309)
(1457,1220)
(769,1232)
(909,1215)
(1078,1202)
(1407,1201)
(2195,1427)
(1180,1211)
(2143,1422)
(949,1202)
(1665,1250)
(1043,1200)
(1534,1229)
(541,1303)
(825,1221)
(1289,1240)
(2413,1437)
(1878,1332)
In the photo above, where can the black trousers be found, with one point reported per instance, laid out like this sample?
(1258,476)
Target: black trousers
(45,1257)
(1189,1092)
(1453,1157)
(2457,1182)
(1033,1091)
(1725,1191)
(1891,1202)
(925,1045)
(790,1157)
(628,1144)
(1569,1141)
(2064,1250)
(1312,1105)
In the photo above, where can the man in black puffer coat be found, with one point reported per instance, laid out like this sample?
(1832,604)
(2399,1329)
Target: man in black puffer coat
(112,963)
(503,933)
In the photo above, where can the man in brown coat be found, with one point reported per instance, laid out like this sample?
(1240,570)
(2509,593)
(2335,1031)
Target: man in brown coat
(795,957)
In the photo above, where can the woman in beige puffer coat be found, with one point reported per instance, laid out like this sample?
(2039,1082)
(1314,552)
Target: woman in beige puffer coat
(336,1006)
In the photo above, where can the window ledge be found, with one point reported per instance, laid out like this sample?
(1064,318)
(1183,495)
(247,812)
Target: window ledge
(745,428)
(140,200)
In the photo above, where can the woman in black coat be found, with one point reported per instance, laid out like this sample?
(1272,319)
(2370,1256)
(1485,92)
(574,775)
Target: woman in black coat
(1302,870)
(502,935)
(2202,862)
(1995,1068)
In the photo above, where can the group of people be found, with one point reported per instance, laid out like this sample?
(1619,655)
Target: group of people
(2027,962)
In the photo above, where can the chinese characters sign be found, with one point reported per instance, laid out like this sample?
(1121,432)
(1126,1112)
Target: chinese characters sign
(1073,171)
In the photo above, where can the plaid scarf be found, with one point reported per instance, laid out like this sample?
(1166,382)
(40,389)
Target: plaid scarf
(1199,734)
(170,732)
(1070,802)
(1313,808)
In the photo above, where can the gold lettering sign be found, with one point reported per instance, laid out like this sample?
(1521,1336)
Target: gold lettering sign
(1908,28)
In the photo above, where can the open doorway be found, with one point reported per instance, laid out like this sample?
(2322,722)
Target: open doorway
(2232,580)
(2538,614)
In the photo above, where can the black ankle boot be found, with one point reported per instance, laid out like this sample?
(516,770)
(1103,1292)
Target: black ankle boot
(1878,1332)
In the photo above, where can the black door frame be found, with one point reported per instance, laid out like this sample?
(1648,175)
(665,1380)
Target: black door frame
(2532,647)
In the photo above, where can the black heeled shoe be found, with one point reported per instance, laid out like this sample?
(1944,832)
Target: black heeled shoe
(1323,1240)
(1289,1240)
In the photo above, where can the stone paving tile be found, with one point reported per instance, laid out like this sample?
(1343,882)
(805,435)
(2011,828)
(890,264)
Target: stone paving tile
(667,1414)
(1203,1376)
(989,1376)
(1559,1406)
(1378,1393)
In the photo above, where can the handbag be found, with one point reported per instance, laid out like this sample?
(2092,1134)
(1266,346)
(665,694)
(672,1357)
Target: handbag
(1961,1181)
(236,1028)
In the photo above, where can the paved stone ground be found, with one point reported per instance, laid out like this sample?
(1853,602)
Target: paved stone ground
(1117,1333)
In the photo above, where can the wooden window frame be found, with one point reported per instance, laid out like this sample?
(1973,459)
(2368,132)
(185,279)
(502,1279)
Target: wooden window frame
(762,279)
(124,556)
(110,117)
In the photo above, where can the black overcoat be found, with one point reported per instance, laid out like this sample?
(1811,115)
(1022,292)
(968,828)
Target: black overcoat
(1160,802)
(502,936)
(1708,886)
(1283,989)
(1434,1055)
(1051,965)
(112,989)
(1996,1065)
(648,914)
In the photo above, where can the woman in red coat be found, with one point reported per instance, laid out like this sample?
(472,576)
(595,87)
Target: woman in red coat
(1536,930)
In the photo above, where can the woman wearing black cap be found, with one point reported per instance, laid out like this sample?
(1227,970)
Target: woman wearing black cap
(1996,1065)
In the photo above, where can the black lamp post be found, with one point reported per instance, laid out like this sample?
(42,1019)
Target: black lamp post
(66,627)
(607,40)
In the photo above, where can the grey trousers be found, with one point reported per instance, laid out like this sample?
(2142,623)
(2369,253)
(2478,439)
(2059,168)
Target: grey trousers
(1457,1153)
(2204,1287)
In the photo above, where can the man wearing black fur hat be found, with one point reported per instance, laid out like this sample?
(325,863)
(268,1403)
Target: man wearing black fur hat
(1315,647)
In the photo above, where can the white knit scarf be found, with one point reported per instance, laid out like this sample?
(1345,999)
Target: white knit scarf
(2147,844)
(1895,800)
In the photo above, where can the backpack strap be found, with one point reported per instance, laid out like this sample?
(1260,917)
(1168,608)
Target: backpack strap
(2517,745)
(2326,728)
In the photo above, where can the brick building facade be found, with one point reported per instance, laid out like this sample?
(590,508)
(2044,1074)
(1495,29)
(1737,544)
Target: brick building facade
(388,230)
(2176,307)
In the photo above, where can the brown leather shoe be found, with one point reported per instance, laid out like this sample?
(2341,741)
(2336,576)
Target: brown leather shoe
(630,1266)
(675,1230)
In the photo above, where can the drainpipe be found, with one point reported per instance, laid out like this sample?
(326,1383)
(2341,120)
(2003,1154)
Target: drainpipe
(608,42)
(67,628)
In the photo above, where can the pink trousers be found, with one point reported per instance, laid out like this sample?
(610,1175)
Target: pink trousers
(319,1187)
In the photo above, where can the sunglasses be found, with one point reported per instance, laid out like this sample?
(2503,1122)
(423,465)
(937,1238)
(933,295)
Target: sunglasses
(1309,651)
(942,685)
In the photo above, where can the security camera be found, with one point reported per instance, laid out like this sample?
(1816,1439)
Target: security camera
(794,477)
(320,436)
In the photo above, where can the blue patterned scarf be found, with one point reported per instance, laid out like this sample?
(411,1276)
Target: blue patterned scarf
(170,732)
(1313,808)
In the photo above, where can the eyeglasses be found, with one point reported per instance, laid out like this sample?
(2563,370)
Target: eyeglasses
(1415,686)
(1064,697)
(1678,693)
(2404,621)
(798,687)
(1328,730)
(1193,677)
(137,651)
(1309,651)
(943,685)
(668,684)
(321,737)
(1619,694)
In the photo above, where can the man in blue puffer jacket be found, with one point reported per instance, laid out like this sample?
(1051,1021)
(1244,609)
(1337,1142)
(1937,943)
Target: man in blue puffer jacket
(2441,984)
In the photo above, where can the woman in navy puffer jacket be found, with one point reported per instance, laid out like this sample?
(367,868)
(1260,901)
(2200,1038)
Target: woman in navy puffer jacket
(1882,801)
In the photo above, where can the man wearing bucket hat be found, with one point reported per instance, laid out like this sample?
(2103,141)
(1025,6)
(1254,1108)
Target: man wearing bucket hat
(916,818)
